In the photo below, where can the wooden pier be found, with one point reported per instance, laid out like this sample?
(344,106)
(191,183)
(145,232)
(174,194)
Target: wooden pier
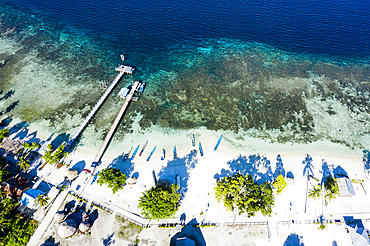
(89,171)
(122,70)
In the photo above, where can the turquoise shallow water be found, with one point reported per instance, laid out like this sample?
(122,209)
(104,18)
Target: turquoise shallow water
(51,69)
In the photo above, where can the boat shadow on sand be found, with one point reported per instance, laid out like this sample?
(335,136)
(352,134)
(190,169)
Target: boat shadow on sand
(180,167)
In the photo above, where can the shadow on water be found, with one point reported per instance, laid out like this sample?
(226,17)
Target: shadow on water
(58,140)
(294,240)
(279,168)
(108,240)
(258,167)
(366,161)
(7,95)
(179,167)
(190,231)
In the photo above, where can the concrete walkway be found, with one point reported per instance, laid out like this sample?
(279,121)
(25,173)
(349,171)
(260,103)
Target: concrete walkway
(39,233)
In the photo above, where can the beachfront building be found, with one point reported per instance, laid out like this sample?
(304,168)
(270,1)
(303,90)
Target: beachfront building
(16,186)
(29,197)
(359,235)
(13,146)
(345,187)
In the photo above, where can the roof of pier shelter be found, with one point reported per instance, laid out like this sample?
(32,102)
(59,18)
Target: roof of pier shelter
(345,187)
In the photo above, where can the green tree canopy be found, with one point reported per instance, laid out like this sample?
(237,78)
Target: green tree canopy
(23,163)
(331,188)
(42,200)
(244,193)
(113,177)
(34,145)
(4,133)
(279,184)
(54,157)
(15,229)
(315,193)
(4,174)
(159,202)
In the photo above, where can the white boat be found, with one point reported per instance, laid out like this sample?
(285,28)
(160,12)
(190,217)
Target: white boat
(123,92)
(163,154)
(122,57)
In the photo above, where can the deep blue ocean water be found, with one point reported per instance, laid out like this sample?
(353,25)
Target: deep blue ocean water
(271,64)
(334,27)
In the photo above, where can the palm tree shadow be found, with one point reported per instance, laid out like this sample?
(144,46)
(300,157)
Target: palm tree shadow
(326,171)
(257,166)
(180,167)
(308,167)
(294,240)
(279,168)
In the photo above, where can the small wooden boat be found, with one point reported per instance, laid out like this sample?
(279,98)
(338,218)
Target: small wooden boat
(95,177)
(174,153)
(135,151)
(141,88)
(151,153)
(163,154)
(128,153)
(200,149)
(142,149)
(218,143)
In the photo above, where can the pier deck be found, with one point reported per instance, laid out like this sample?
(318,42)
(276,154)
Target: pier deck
(89,170)
(122,70)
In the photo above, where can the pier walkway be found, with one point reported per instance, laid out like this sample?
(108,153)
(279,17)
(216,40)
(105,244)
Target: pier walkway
(89,171)
(122,70)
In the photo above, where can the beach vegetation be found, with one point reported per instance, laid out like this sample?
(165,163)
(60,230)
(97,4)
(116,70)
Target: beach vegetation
(42,200)
(34,145)
(113,177)
(129,231)
(23,163)
(279,184)
(315,192)
(15,229)
(331,188)
(4,133)
(53,157)
(4,174)
(243,193)
(160,202)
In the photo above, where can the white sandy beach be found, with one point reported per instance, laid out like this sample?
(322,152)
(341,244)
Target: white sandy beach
(245,155)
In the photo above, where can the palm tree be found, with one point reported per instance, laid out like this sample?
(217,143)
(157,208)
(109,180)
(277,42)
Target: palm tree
(23,163)
(42,200)
(315,192)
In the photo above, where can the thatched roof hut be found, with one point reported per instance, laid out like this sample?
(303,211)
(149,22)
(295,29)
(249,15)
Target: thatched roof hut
(71,174)
(84,226)
(67,228)
(59,216)
(131,181)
